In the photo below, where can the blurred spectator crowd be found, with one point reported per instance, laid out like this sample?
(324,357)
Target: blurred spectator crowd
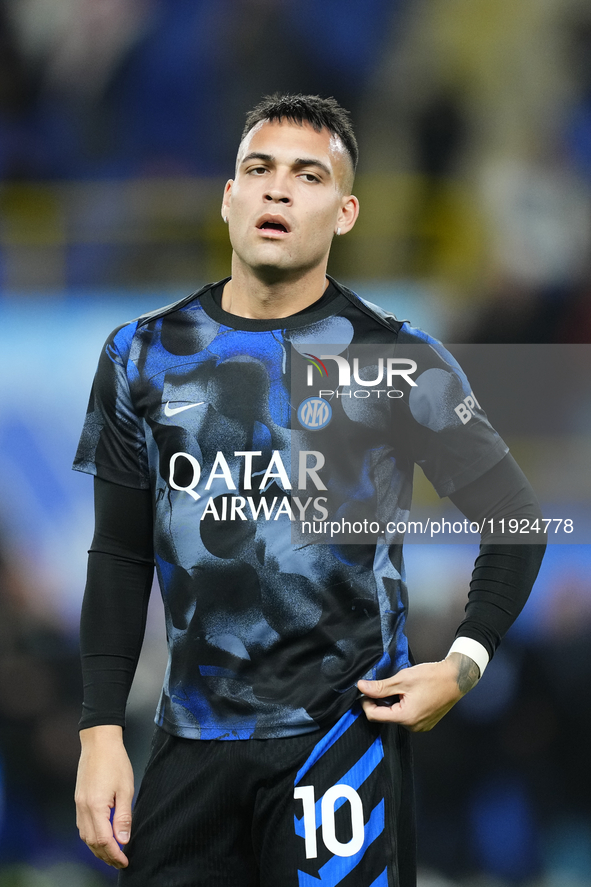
(119,122)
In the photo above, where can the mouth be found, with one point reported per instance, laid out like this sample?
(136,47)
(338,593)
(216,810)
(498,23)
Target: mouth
(273,225)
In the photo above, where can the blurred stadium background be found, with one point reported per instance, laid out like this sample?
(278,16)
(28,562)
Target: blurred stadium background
(119,121)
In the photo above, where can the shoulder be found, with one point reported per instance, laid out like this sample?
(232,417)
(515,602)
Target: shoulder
(151,316)
(405,332)
(375,312)
(432,353)
(119,345)
(119,342)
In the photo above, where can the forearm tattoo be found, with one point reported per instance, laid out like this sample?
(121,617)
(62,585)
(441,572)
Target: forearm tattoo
(468,672)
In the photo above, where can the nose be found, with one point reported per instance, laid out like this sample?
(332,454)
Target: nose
(278,190)
(275,195)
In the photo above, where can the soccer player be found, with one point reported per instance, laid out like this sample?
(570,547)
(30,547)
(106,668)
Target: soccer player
(281,752)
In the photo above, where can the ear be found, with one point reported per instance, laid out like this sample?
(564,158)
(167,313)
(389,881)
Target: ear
(348,213)
(226,200)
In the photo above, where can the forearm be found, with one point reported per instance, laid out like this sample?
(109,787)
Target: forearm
(111,633)
(504,572)
(102,735)
(418,697)
(502,580)
(120,572)
(467,672)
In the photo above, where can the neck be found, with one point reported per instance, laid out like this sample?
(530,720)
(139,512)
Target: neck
(248,295)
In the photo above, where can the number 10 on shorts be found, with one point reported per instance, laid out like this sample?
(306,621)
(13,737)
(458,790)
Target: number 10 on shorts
(327,816)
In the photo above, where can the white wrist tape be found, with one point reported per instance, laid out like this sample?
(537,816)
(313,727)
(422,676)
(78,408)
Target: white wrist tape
(473,649)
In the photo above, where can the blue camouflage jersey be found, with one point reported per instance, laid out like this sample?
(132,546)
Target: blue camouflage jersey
(252,437)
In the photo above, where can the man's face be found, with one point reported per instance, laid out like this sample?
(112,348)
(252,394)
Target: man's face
(288,198)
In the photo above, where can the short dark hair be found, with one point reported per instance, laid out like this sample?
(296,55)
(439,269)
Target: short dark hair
(319,112)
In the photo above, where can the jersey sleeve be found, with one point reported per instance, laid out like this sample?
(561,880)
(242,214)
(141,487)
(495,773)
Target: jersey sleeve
(449,433)
(113,445)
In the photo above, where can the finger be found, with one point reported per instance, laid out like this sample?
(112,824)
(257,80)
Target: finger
(374,711)
(377,689)
(97,834)
(105,847)
(392,715)
(387,701)
(122,821)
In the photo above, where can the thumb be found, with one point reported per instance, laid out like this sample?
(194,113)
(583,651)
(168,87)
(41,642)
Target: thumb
(384,691)
(122,821)
(374,688)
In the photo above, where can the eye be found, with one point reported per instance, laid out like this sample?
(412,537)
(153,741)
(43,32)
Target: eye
(257,170)
(309,177)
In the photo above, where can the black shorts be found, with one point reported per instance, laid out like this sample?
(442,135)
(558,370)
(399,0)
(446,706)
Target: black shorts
(325,808)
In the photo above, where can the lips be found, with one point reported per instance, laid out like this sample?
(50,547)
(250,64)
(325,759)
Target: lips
(273,223)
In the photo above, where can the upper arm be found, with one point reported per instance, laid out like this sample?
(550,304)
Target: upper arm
(123,521)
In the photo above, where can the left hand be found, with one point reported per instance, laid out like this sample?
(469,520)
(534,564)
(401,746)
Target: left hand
(426,692)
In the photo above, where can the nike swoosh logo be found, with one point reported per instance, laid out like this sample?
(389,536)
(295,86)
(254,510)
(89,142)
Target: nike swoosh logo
(172,411)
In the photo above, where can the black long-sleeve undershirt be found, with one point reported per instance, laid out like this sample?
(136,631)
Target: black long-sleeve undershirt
(504,572)
(121,567)
(115,605)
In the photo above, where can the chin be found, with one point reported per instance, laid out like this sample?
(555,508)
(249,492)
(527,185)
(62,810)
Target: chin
(269,264)
(272,273)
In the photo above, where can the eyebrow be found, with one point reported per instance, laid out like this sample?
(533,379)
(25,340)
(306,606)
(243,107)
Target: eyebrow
(256,155)
(311,161)
(299,161)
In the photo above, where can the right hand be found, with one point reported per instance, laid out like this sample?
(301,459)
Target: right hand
(105,781)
